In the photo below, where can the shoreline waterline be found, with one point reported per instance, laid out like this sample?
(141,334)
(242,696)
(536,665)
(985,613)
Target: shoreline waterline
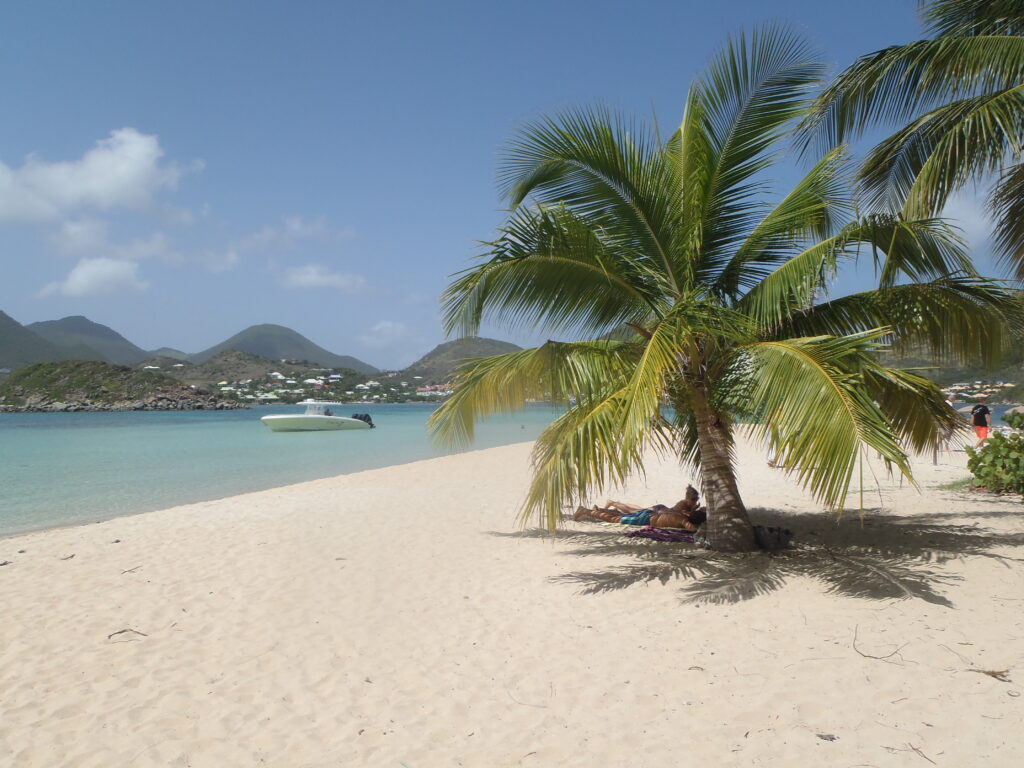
(66,469)
(5,536)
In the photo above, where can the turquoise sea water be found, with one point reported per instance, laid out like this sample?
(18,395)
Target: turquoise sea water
(68,468)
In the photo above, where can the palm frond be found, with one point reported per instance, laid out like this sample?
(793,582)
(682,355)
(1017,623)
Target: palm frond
(817,409)
(918,250)
(957,319)
(1007,205)
(603,168)
(599,442)
(501,383)
(792,286)
(955,18)
(522,275)
(749,94)
(917,168)
(893,85)
(915,407)
(815,207)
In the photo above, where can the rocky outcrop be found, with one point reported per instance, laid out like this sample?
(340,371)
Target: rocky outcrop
(95,386)
(176,401)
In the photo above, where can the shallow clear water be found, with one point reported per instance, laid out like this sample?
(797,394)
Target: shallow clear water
(65,468)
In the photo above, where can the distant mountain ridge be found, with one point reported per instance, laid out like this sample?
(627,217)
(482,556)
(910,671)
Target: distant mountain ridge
(81,335)
(438,365)
(276,342)
(20,347)
(78,338)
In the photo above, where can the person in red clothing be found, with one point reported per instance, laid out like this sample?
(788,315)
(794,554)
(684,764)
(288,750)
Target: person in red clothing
(981,418)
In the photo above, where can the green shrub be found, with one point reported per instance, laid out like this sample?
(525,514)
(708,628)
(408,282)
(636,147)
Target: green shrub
(999,463)
(1015,420)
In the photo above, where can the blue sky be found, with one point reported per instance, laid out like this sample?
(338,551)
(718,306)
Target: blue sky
(179,171)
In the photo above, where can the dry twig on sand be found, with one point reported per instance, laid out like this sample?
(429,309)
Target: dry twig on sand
(127,629)
(1002,675)
(868,655)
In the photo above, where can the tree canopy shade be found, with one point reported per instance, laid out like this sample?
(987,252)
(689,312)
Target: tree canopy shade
(959,99)
(723,292)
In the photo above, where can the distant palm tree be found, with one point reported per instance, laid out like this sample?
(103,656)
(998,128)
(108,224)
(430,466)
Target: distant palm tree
(960,94)
(721,294)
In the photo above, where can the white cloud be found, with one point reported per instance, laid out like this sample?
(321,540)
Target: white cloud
(92,277)
(384,334)
(296,226)
(290,234)
(81,235)
(87,237)
(120,171)
(318,276)
(966,210)
(220,261)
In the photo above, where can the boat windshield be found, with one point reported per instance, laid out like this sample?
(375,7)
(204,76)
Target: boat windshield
(318,409)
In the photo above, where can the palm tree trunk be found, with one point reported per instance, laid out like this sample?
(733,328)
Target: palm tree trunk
(728,526)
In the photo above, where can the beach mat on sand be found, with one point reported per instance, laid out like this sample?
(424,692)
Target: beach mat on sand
(662,534)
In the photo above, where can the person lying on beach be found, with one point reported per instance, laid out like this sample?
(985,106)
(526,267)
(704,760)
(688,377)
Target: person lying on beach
(685,514)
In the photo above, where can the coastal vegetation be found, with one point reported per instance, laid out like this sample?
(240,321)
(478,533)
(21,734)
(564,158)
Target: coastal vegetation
(998,466)
(98,386)
(242,378)
(726,288)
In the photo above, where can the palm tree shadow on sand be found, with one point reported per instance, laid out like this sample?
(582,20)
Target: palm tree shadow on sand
(883,556)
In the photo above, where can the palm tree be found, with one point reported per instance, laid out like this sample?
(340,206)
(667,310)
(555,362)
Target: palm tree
(721,294)
(959,97)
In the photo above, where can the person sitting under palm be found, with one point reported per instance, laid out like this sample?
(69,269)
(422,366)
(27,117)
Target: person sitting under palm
(685,514)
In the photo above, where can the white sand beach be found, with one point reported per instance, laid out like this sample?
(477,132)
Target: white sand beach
(396,617)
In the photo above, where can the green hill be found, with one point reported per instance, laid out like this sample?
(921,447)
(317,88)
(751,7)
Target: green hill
(80,335)
(437,366)
(20,347)
(168,352)
(275,342)
(229,365)
(91,385)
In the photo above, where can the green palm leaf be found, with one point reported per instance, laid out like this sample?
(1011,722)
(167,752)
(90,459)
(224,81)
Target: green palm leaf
(917,168)
(959,96)
(818,411)
(539,251)
(501,383)
(1007,203)
(914,406)
(957,319)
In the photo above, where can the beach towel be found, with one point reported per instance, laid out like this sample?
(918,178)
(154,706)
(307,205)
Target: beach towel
(643,517)
(663,534)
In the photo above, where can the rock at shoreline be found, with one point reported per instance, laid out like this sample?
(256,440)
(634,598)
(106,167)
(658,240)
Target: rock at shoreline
(74,386)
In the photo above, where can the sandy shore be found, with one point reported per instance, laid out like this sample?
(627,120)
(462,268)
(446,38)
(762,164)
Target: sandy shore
(396,618)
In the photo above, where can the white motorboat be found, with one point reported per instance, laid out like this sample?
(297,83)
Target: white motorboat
(319,417)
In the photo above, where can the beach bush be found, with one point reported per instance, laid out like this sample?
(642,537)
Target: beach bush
(1015,420)
(999,464)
